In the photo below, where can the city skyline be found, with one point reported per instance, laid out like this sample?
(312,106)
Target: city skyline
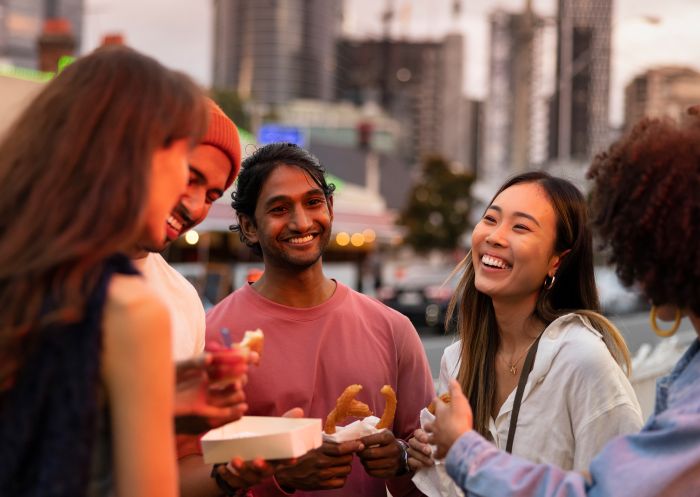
(180,33)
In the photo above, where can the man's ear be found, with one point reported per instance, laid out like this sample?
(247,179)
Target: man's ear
(330,206)
(248,229)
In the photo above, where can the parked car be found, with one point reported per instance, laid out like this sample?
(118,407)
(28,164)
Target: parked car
(423,298)
(615,298)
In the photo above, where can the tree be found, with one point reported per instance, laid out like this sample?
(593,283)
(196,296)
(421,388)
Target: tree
(437,214)
(232,105)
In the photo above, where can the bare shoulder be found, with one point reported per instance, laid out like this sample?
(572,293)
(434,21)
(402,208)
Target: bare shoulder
(132,307)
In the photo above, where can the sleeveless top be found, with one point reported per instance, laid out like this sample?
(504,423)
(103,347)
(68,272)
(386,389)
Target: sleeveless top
(54,426)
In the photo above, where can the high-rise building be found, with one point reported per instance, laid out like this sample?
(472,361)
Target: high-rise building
(474,142)
(21,23)
(419,83)
(662,91)
(515,117)
(276,50)
(579,126)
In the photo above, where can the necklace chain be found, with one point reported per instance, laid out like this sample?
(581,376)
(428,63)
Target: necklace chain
(513,365)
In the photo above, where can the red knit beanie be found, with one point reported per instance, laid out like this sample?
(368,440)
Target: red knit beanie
(222,133)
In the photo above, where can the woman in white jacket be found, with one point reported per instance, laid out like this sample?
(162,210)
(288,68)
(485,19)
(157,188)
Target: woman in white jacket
(541,368)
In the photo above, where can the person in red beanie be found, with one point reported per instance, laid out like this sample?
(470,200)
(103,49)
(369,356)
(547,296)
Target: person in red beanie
(213,166)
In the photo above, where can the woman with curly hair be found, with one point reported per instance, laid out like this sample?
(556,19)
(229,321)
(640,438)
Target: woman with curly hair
(93,167)
(646,206)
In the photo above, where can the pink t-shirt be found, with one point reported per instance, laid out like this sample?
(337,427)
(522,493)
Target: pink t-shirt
(312,354)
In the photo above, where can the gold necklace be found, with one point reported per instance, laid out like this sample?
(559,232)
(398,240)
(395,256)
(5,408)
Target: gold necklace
(513,366)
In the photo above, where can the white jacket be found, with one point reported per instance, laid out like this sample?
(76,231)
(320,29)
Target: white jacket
(576,398)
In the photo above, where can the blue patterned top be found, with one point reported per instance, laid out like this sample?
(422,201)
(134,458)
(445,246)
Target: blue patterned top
(662,460)
(54,439)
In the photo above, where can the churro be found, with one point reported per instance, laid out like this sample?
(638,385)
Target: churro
(342,408)
(445,397)
(387,418)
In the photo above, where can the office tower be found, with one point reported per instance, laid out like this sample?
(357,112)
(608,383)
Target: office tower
(276,50)
(21,23)
(474,142)
(661,91)
(419,83)
(515,113)
(579,125)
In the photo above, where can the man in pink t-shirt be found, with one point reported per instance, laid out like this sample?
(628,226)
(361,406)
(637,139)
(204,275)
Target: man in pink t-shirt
(320,335)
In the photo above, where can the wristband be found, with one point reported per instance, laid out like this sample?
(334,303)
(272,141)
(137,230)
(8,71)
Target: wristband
(404,458)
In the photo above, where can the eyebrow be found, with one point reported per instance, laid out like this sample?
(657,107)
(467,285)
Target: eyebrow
(516,213)
(284,198)
(202,178)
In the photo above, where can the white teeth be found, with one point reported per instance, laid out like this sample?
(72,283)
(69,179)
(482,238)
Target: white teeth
(302,239)
(174,223)
(492,261)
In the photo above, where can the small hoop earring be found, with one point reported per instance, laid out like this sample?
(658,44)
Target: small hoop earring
(549,283)
(659,331)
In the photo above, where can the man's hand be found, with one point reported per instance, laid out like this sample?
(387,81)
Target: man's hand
(201,406)
(239,474)
(384,455)
(324,468)
(451,421)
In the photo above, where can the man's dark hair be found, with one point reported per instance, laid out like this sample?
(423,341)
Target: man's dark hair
(255,171)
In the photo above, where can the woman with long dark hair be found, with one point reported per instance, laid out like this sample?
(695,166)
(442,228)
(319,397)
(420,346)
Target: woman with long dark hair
(92,168)
(646,207)
(542,368)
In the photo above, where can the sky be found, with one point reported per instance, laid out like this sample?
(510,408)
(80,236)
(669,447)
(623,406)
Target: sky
(179,32)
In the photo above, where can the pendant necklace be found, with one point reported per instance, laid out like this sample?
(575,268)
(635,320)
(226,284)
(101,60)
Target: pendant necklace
(513,365)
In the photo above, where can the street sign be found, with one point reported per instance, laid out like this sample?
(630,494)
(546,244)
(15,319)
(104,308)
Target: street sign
(272,133)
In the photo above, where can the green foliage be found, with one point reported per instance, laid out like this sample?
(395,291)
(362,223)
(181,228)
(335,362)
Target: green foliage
(232,105)
(437,214)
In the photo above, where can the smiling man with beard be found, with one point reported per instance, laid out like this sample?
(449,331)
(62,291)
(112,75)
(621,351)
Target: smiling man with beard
(213,165)
(321,336)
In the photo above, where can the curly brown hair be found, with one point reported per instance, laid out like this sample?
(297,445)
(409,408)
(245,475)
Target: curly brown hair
(646,207)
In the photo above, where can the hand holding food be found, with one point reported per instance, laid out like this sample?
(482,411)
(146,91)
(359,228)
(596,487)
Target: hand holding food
(200,404)
(451,421)
(420,453)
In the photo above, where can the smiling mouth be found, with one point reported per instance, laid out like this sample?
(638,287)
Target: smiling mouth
(300,239)
(174,223)
(495,262)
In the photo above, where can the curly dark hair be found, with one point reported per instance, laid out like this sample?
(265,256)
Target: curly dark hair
(646,207)
(255,171)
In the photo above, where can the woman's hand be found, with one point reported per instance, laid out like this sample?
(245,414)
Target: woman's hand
(451,421)
(209,391)
(420,453)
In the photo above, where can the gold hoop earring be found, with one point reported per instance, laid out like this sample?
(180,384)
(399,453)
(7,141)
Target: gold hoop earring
(659,331)
(548,284)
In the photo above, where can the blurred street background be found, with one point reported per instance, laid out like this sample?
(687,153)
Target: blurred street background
(419,109)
